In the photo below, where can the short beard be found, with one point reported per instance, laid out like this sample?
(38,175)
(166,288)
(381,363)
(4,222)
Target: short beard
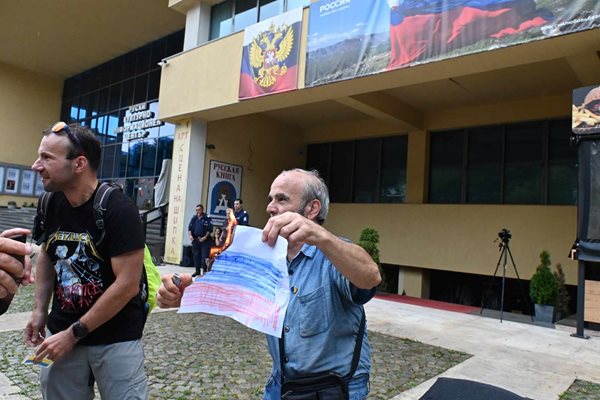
(301,209)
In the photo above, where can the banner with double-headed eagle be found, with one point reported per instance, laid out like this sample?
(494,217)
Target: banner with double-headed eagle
(270,55)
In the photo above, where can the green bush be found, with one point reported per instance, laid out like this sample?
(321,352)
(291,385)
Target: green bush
(543,287)
(563,298)
(369,239)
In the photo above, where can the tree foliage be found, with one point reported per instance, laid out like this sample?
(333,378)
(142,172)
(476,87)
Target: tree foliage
(543,287)
(369,240)
(563,298)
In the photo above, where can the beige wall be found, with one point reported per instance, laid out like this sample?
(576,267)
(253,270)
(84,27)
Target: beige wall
(29,103)
(264,148)
(462,237)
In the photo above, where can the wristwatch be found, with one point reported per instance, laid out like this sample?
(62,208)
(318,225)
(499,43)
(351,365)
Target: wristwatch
(79,330)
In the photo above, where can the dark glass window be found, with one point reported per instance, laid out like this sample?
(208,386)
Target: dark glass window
(366,166)
(317,157)
(141,89)
(148,158)
(153,85)
(269,8)
(445,175)
(246,13)
(484,168)
(93,104)
(291,4)
(562,165)
(362,171)
(114,97)
(221,19)
(234,15)
(342,166)
(143,60)
(102,106)
(523,163)
(393,169)
(159,49)
(127,93)
(164,151)
(108,161)
(100,97)
(128,65)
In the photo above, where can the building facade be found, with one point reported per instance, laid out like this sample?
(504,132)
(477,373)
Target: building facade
(439,155)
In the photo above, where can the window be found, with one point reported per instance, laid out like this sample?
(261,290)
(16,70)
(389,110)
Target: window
(362,171)
(524,163)
(366,165)
(100,97)
(562,170)
(393,169)
(221,19)
(269,9)
(523,167)
(246,13)
(234,15)
(484,168)
(342,168)
(446,167)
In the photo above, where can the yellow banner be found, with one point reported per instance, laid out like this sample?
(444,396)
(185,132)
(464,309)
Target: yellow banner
(177,192)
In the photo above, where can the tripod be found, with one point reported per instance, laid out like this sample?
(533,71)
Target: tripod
(505,252)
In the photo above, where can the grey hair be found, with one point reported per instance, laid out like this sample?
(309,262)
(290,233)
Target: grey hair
(315,188)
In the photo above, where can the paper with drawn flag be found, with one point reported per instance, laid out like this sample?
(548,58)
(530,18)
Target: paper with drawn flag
(248,282)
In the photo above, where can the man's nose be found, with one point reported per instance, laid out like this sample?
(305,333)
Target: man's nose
(36,165)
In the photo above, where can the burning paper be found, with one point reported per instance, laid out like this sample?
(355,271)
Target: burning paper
(248,282)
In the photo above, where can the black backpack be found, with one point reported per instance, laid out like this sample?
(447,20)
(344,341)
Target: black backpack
(150,276)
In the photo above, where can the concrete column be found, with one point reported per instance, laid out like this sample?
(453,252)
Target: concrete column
(415,282)
(187,184)
(417,167)
(197,25)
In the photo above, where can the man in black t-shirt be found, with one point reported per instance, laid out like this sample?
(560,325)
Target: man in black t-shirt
(97,314)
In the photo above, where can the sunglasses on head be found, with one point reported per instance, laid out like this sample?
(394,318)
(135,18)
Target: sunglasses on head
(61,126)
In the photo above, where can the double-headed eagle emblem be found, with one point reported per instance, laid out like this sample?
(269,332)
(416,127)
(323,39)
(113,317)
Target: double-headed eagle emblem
(268,51)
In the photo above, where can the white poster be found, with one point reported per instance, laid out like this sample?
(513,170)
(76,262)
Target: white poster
(224,186)
(27,183)
(39,185)
(11,185)
(1,179)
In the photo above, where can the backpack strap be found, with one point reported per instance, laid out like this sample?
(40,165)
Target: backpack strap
(39,223)
(100,203)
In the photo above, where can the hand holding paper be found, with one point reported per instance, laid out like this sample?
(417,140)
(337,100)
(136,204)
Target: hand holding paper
(248,282)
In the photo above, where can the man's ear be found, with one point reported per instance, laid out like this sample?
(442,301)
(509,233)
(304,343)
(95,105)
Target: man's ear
(312,209)
(81,164)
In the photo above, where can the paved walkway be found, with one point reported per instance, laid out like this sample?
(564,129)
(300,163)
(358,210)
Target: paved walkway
(531,361)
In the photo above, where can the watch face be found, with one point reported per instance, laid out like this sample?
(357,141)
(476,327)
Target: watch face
(79,330)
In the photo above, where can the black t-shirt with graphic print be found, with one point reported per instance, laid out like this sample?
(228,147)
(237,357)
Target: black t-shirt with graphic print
(84,272)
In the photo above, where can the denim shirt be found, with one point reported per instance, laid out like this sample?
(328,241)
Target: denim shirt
(322,320)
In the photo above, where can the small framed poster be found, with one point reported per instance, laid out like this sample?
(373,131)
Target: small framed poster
(27,182)
(11,184)
(39,186)
(1,179)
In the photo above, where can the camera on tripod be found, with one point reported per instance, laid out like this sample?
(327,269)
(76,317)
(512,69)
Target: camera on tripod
(504,235)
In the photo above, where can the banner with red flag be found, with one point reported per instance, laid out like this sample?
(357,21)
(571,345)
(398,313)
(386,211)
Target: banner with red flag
(349,38)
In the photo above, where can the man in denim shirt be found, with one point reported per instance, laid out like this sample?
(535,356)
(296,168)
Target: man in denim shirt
(330,280)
